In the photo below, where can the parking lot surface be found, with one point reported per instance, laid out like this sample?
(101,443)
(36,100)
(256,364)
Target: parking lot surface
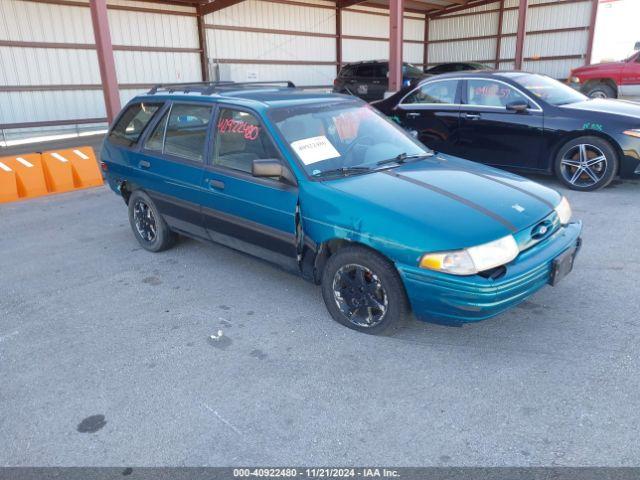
(106,356)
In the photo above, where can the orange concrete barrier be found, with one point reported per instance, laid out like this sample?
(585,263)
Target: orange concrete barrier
(58,172)
(8,184)
(37,174)
(86,172)
(29,174)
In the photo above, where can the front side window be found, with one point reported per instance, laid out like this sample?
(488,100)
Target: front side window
(489,93)
(239,140)
(437,92)
(182,132)
(342,135)
(132,122)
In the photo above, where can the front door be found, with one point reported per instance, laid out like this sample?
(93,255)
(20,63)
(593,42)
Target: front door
(491,133)
(630,86)
(431,113)
(256,215)
(172,160)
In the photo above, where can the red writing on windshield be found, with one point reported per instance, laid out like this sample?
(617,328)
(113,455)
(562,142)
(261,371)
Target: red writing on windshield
(248,131)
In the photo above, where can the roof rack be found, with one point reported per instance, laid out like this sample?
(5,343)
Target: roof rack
(207,88)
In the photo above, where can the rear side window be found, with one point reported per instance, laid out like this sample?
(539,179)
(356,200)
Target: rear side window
(132,122)
(436,92)
(182,132)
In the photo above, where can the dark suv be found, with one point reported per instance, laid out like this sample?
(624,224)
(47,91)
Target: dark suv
(369,80)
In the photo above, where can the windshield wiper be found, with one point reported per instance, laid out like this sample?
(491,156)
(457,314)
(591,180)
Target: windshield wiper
(403,157)
(343,171)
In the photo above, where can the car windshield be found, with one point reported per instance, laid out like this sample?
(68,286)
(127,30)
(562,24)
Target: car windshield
(345,136)
(548,89)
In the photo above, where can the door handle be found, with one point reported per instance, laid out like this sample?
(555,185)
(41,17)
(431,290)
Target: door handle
(217,184)
(413,114)
(471,116)
(144,164)
(377,82)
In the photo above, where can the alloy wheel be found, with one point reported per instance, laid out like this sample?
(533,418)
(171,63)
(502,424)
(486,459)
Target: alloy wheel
(360,295)
(145,221)
(583,165)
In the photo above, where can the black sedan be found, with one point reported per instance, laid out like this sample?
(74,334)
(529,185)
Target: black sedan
(524,121)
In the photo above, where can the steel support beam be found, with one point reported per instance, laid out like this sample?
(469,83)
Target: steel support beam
(425,47)
(521,33)
(396,18)
(592,30)
(499,33)
(202,39)
(106,62)
(338,38)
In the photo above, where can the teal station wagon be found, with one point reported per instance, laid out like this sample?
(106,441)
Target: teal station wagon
(325,186)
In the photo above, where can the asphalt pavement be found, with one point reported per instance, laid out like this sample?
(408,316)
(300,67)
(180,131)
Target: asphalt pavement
(106,356)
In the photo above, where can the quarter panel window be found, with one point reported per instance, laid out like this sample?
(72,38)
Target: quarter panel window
(437,92)
(488,93)
(131,124)
(240,139)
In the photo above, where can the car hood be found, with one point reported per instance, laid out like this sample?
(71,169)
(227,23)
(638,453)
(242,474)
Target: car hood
(440,203)
(595,67)
(615,107)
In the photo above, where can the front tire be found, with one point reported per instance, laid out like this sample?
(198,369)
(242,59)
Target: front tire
(600,90)
(586,163)
(148,226)
(363,291)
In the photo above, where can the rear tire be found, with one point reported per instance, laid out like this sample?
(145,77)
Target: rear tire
(586,163)
(363,291)
(600,90)
(148,226)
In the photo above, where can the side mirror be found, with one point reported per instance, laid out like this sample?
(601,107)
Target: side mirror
(517,106)
(272,168)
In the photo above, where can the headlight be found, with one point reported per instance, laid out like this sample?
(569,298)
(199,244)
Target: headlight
(474,259)
(564,211)
(633,133)
(574,79)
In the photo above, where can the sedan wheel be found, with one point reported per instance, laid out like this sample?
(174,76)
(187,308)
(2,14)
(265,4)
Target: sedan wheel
(586,163)
(148,226)
(359,295)
(363,291)
(144,220)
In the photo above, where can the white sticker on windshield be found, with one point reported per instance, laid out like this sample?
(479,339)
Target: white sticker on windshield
(315,149)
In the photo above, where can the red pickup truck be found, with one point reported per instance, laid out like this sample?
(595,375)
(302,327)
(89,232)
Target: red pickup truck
(609,80)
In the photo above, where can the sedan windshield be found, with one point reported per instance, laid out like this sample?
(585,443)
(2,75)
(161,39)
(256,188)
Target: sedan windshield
(548,89)
(344,137)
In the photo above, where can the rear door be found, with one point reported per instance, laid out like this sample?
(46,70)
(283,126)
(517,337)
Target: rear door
(171,161)
(256,215)
(631,78)
(492,134)
(431,113)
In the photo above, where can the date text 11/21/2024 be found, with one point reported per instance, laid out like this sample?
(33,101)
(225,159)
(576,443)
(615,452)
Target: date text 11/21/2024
(316,472)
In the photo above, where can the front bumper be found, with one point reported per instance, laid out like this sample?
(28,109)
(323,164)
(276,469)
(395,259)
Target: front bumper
(461,299)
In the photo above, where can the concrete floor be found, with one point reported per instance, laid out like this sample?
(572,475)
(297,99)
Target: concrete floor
(105,357)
